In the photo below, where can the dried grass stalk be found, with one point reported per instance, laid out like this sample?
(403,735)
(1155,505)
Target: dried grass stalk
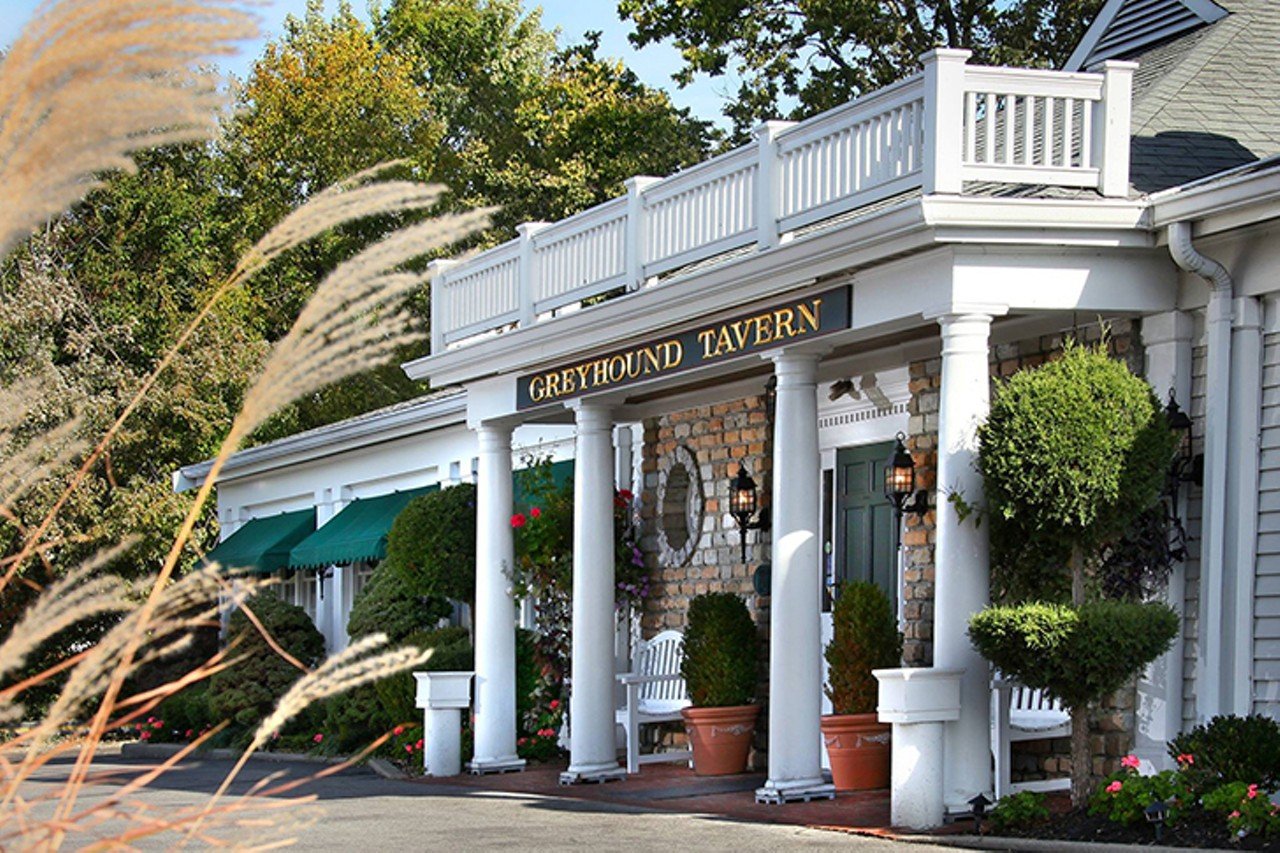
(89,81)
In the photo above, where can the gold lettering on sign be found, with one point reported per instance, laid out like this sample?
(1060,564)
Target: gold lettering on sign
(776,325)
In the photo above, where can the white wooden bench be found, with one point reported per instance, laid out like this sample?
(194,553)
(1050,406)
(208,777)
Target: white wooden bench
(655,694)
(1019,713)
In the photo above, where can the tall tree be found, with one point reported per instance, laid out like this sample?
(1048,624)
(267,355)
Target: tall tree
(817,54)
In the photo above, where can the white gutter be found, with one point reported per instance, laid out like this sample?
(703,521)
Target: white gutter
(1210,658)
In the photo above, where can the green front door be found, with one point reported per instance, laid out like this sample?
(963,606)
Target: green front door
(865,528)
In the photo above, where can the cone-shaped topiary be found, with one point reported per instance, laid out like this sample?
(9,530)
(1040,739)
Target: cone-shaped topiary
(865,638)
(720,647)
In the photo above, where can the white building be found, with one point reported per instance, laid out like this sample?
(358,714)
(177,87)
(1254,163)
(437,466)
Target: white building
(895,248)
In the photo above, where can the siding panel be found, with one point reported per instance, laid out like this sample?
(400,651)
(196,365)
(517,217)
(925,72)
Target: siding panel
(1266,605)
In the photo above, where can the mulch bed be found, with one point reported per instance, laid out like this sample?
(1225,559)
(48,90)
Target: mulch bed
(1196,830)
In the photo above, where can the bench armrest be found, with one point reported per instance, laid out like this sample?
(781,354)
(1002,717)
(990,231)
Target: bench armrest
(637,678)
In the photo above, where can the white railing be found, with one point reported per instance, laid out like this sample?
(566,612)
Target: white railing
(934,131)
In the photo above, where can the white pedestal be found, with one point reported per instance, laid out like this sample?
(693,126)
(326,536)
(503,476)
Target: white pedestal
(917,702)
(442,696)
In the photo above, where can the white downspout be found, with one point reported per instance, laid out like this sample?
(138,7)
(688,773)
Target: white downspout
(1210,668)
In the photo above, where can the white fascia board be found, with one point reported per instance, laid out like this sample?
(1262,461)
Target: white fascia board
(1102,282)
(1038,221)
(1233,202)
(794,264)
(341,437)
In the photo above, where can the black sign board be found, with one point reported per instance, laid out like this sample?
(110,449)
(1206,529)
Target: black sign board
(768,328)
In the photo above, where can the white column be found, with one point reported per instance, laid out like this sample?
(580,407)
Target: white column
(1244,446)
(495,616)
(795,650)
(961,562)
(592,747)
(1167,340)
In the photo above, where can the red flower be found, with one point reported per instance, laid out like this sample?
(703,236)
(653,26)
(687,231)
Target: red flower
(518,520)
(408,747)
(1114,787)
(1186,758)
(1131,762)
(146,735)
(157,724)
(319,737)
(1252,792)
(398,730)
(625,494)
(419,744)
(535,513)
(553,704)
(188,734)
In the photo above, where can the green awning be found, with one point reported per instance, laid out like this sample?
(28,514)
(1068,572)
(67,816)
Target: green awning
(357,533)
(262,545)
(561,473)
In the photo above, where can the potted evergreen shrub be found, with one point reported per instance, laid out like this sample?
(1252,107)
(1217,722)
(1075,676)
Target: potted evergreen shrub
(719,668)
(865,638)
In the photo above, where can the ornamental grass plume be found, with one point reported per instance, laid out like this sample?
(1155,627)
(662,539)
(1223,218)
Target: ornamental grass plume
(87,83)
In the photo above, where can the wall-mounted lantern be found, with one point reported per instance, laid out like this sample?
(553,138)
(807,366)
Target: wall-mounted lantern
(742,505)
(900,482)
(1187,466)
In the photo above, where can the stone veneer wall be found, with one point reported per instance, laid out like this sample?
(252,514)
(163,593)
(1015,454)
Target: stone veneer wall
(1114,723)
(720,437)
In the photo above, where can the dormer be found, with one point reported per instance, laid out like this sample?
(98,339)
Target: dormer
(1126,28)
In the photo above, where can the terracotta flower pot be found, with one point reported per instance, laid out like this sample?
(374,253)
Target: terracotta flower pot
(720,738)
(858,745)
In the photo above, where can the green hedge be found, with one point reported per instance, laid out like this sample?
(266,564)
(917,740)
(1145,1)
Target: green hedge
(432,544)
(389,604)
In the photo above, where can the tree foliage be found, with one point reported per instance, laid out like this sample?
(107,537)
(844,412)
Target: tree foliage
(432,544)
(817,54)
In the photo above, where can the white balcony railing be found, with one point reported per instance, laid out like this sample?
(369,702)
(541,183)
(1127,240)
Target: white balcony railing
(950,124)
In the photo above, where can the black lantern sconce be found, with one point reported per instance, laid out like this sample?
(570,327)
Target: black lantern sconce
(900,482)
(1187,467)
(742,506)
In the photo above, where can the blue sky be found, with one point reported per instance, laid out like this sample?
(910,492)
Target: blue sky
(654,64)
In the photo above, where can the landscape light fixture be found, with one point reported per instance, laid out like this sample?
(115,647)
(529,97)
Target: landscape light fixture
(742,506)
(900,482)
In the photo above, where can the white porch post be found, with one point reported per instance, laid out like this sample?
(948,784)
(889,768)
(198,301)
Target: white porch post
(962,585)
(795,650)
(592,747)
(495,616)
(1167,340)
(1243,462)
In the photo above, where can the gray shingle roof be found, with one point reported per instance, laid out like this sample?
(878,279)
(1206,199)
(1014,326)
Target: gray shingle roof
(1207,101)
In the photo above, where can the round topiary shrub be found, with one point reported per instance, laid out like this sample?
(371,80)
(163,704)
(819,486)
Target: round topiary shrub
(246,693)
(388,604)
(1072,453)
(720,648)
(1230,749)
(865,637)
(432,544)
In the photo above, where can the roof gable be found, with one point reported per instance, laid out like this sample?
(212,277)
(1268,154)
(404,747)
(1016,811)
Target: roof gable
(1125,28)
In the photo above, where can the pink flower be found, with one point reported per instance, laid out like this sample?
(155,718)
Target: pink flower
(188,734)
(553,704)
(1186,758)
(1114,787)
(157,724)
(1234,814)
(397,731)
(145,736)
(319,737)
(518,520)
(535,513)
(419,744)
(408,747)
(1252,792)
(1130,761)
(521,741)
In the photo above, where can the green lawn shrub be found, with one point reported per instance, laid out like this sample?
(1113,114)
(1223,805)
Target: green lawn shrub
(432,544)
(1230,749)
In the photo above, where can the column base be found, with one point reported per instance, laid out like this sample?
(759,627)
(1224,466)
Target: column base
(598,775)
(483,766)
(776,794)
